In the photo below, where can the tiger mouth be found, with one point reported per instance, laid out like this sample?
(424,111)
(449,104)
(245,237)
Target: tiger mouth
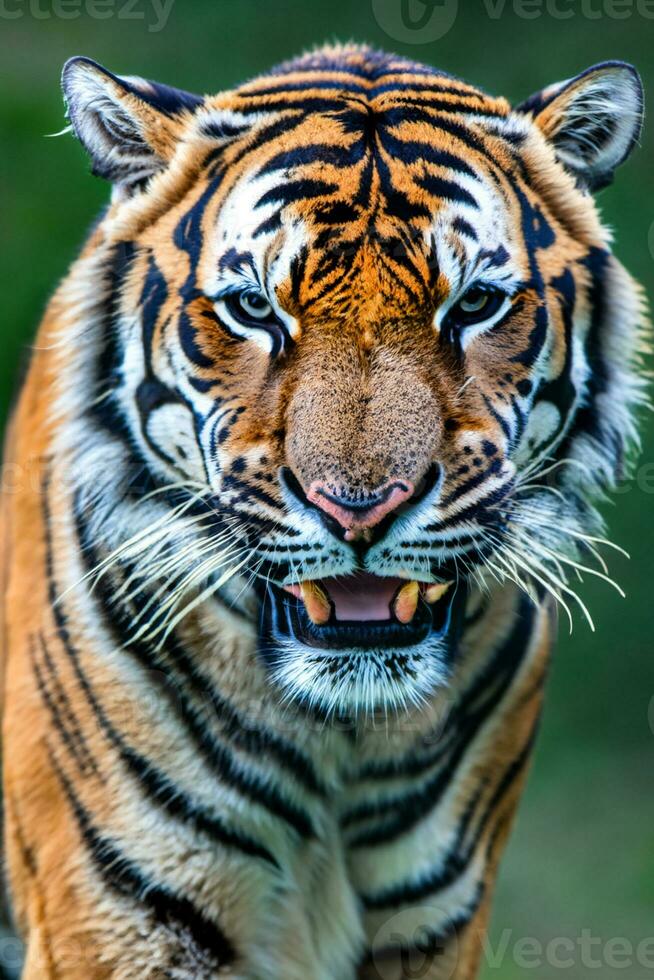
(361,611)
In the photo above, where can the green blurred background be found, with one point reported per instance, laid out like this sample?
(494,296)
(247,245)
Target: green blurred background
(580,863)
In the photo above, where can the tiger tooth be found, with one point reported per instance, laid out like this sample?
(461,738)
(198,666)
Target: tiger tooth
(436,591)
(316,602)
(406,602)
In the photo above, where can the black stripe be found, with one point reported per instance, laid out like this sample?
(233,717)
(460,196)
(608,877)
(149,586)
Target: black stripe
(108,373)
(409,94)
(458,859)
(67,736)
(188,338)
(414,151)
(432,943)
(561,390)
(247,491)
(590,420)
(481,697)
(296,190)
(493,469)
(269,225)
(224,130)
(421,85)
(314,153)
(537,336)
(76,730)
(458,108)
(484,512)
(403,813)
(467,136)
(465,228)
(289,122)
(501,421)
(306,85)
(123,876)
(301,103)
(153,296)
(397,203)
(118,619)
(336,213)
(463,542)
(155,782)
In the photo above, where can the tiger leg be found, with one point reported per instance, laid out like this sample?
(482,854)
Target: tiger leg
(100,888)
(51,912)
(94,884)
(457,957)
(128,858)
(455,951)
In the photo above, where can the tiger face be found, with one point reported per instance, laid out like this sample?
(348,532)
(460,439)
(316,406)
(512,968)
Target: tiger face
(360,309)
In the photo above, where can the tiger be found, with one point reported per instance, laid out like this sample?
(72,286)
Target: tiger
(309,450)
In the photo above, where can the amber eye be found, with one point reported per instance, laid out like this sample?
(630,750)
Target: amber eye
(478,304)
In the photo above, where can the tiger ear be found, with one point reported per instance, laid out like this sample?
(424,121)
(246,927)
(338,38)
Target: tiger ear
(128,126)
(593,120)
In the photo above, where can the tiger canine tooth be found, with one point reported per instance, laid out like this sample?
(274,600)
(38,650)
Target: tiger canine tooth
(406,602)
(436,591)
(315,602)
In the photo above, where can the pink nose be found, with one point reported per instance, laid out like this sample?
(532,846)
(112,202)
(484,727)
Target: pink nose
(358,515)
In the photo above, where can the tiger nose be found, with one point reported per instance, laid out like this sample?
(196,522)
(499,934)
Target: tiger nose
(357,515)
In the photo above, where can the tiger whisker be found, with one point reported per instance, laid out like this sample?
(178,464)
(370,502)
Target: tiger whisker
(195,575)
(541,574)
(579,567)
(200,598)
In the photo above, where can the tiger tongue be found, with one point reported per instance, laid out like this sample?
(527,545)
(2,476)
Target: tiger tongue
(362,597)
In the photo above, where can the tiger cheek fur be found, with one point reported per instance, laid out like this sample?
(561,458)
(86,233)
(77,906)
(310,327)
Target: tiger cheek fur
(281,552)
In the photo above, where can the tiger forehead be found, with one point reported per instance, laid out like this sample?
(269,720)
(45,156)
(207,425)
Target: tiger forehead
(363,73)
(356,181)
(402,148)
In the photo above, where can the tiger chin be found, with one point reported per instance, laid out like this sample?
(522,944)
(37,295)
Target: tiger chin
(304,464)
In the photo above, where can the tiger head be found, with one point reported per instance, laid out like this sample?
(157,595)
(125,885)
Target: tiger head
(360,312)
